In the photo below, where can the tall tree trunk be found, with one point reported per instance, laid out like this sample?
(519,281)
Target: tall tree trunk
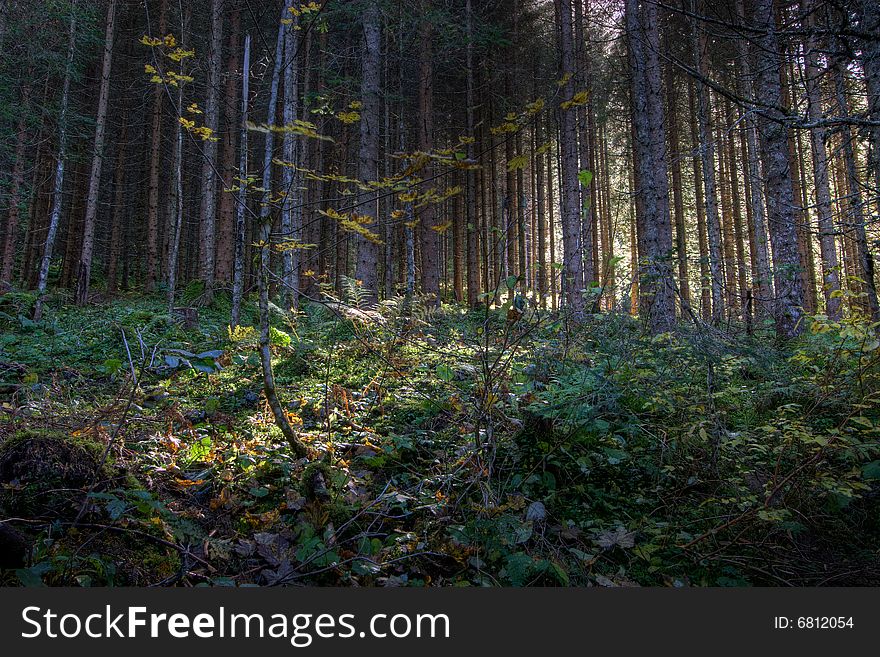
(856,216)
(657,281)
(736,210)
(430,242)
(367,269)
(473,267)
(700,210)
(762,277)
(176,210)
(224,264)
(58,188)
(265,225)
(542,218)
(117,216)
(677,196)
(570,214)
(291,204)
(773,129)
(869,22)
(7,258)
(588,213)
(84,270)
(241,202)
(208,220)
(707,160)
(153,259)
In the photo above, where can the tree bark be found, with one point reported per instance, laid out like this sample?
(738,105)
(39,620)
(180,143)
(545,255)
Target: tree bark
(58,188)
(367,269)
(773,130)
(570,214)
(707,161)
(224,264)
(7,262)
(241,202)
(657,284)
(208,223)
(84,270)
(430,241)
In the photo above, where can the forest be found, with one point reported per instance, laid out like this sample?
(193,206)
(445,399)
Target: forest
(426,293)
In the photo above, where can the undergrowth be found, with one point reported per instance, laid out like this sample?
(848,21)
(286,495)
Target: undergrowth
(446,448)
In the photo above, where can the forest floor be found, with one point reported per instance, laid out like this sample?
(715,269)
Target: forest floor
(446,447)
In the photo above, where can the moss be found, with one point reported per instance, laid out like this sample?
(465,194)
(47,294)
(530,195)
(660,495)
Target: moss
(45,472)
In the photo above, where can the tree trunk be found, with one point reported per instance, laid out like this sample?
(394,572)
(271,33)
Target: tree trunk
(58,188)
(657,282)
(707,160)
(789,294)
(153,260)
(761,277)
(869,22)
(570,215)
(208,219)
(226,230)
(856,215)
(117,216)
(291,204)
(473,267)
(430,241)
(241,203)
(367,269)
(84,270)
(7,262)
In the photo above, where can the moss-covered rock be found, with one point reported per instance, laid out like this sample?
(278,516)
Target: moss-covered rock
(43,473)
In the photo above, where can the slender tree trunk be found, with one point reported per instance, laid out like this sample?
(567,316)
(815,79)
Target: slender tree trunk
(542,218)
(291,204)
(117,217)
(473,267)
(869,22)
(707,160)
(265,225)
(241,203)
(367,270)
(58,188)
(588,216)
(7,262)
(176,210)
(153,259)
(226,230)
(551,227)
(430,242)
(736,210)
(856,202)
(570,214)
(84,270)
(700,210)
(762,277)
(789,294)
(208,222)
(677,196)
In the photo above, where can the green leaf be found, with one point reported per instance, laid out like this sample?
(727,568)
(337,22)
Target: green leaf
(871,470)
(585,178)
(445,372)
